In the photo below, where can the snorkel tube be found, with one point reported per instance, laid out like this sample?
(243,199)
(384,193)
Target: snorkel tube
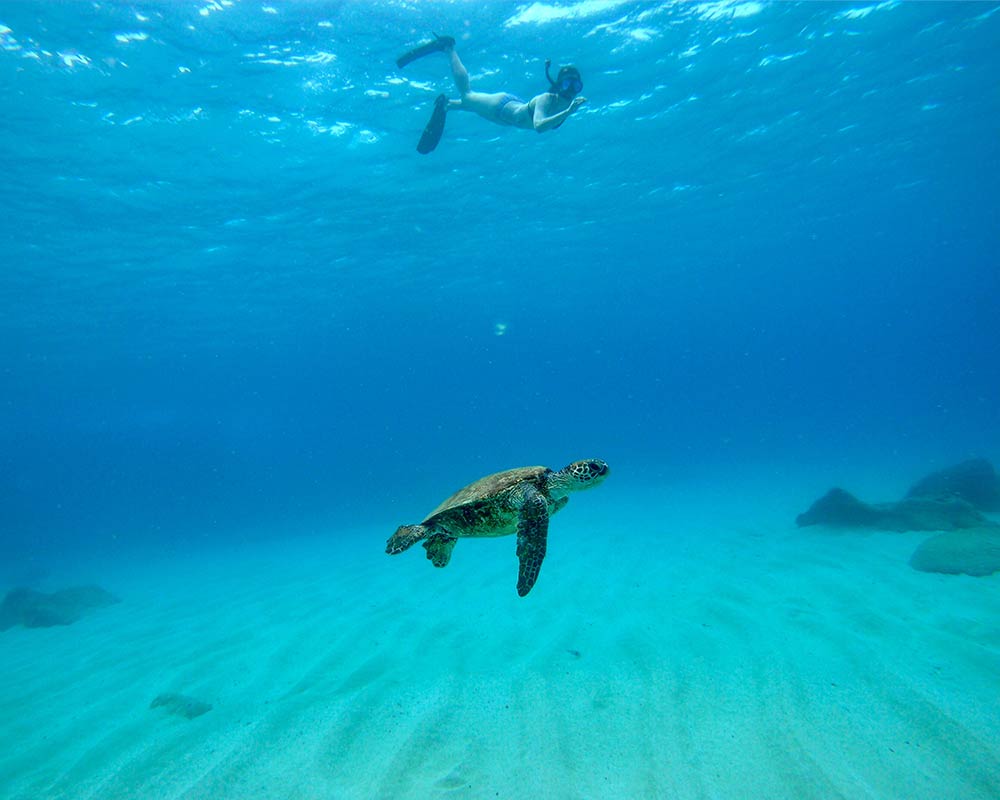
(552,83)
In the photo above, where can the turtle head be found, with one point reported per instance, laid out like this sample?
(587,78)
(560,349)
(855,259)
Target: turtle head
(578,475)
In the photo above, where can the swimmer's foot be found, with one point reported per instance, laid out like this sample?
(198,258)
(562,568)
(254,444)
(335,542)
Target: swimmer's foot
(439,44)
(435,127)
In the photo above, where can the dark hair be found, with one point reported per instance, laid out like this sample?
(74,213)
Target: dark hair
(568,71)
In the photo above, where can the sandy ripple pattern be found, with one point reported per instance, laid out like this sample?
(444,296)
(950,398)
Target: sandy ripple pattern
(655,660)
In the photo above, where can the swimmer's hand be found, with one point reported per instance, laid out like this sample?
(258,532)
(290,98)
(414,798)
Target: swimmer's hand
(576,103)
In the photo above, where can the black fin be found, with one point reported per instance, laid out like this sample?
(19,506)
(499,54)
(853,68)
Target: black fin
(437,45)
(435,126)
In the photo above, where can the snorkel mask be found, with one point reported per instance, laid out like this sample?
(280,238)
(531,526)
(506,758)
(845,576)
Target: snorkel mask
(568,83)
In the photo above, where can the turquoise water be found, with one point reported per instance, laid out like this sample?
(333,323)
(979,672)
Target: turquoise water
(234,295)
(236,303)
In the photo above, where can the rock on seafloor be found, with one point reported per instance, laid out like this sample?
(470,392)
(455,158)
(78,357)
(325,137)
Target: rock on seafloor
(181,705)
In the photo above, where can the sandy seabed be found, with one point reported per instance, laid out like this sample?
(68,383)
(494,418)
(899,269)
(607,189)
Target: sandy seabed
(708,653)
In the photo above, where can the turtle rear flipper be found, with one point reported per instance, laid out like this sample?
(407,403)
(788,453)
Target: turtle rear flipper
(532,535)
(404,538)
(439,549)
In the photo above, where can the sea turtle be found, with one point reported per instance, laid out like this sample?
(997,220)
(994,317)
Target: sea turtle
(516,501)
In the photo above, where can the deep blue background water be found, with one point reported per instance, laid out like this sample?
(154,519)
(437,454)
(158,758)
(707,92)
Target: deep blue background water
(235,302)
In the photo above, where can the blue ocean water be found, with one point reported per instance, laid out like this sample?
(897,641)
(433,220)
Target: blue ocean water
(246,330)
(234,300)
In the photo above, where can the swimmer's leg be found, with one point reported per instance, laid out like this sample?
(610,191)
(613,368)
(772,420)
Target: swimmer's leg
(459,72)
(481,103)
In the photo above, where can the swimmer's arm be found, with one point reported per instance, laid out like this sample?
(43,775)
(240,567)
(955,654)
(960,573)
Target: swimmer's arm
(543,123)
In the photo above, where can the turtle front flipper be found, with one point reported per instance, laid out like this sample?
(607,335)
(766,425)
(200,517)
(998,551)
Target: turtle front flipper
(532,533)
(439,547)
(405,537)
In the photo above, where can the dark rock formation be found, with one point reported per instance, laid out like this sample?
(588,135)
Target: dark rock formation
(841,509)
(975,551)
(974,481)
(948,500)
(34,609)
(180,705)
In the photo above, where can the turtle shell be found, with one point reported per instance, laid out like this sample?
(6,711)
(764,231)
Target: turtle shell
(489,488)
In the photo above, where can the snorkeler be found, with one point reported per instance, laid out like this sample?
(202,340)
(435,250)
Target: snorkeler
(543,112)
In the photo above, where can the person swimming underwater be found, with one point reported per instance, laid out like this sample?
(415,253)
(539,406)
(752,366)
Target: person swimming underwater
(543,112)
